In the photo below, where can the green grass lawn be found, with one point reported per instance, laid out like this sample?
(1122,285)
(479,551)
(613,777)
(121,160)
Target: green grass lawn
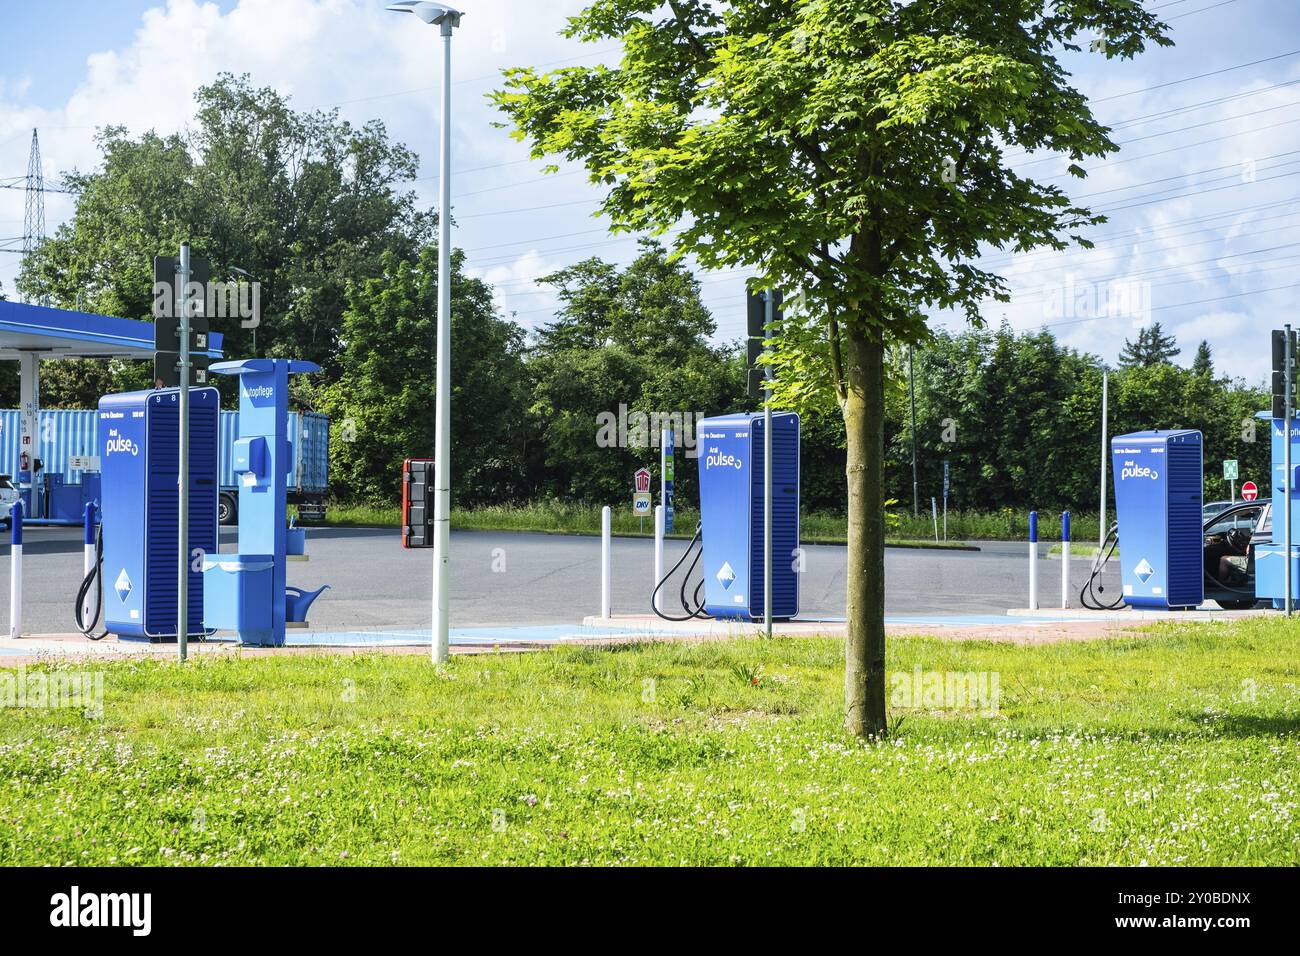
(1177,746)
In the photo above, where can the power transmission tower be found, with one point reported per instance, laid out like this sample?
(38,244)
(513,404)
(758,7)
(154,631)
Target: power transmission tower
(34,217)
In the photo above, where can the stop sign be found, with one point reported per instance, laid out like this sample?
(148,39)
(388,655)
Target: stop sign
(1249,491)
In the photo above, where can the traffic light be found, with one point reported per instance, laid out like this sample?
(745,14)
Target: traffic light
(1280,352)
(756,320)
(417,503)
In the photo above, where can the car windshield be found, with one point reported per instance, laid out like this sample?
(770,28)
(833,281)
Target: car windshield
(1237,518)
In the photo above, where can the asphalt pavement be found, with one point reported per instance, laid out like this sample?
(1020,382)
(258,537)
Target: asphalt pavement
(515,578)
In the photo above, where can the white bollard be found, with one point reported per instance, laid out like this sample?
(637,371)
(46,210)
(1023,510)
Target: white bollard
(606,578)
(16,572)
(659,555)
(1033,560)
(1065,559)
(88,561)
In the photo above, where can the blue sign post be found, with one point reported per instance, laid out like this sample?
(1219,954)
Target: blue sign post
(666,478)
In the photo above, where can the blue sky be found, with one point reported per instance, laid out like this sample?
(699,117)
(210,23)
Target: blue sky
(1204,196)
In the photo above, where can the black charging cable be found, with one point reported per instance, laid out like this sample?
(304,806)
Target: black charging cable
(694,606)
(1089,596)
(95,579)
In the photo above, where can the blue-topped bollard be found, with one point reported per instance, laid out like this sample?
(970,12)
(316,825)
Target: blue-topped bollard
(16,570)
(88,557)
(1033,560)
(1065,559)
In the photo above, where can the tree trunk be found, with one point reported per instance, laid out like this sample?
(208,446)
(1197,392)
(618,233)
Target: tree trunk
(864,420)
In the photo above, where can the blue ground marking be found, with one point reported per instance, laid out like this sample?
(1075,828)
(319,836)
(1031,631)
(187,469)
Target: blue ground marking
(14,651)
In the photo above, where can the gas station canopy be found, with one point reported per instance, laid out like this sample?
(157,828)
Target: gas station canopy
(63,333)
(30,333)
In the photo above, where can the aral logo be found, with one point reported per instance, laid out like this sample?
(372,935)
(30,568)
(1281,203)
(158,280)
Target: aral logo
(259,391)
(74,908)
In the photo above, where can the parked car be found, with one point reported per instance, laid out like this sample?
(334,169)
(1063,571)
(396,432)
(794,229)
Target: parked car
(1229,553)
(1212,508)
(8,495)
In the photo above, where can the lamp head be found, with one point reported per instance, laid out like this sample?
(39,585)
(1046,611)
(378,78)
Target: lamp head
(430,12)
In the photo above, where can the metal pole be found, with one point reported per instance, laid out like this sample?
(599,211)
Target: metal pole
(1287,478)
(911,390)
(1105,402)
(183,564)
(442,413)
(769,307)
(606,574)
(659,555)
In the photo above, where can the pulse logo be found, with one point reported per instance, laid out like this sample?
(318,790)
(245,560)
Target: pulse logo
(116,443)
(258,391)
(719,460)
(1138,471)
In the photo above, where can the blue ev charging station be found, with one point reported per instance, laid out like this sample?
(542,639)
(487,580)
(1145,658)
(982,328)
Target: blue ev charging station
(731,514)
(247,591)
(138,447)
(1158,505)
(1270,556)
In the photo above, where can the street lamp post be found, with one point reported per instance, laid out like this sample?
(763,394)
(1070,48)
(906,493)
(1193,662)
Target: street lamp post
(448,19)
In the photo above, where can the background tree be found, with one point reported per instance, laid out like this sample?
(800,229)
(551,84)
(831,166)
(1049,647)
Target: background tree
(304,202)
(636,337)
(1153,347)
(853,149)
(1203,364)
(382,402)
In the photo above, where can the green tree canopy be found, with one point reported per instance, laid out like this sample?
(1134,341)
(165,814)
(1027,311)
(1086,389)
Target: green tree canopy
(382,402)
(304,202)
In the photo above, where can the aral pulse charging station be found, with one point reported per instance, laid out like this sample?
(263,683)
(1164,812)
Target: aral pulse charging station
(1270,556)
(1158,504)
(246,591)
(731,514)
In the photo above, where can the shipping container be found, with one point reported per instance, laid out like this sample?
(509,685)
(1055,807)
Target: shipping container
(68,432)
